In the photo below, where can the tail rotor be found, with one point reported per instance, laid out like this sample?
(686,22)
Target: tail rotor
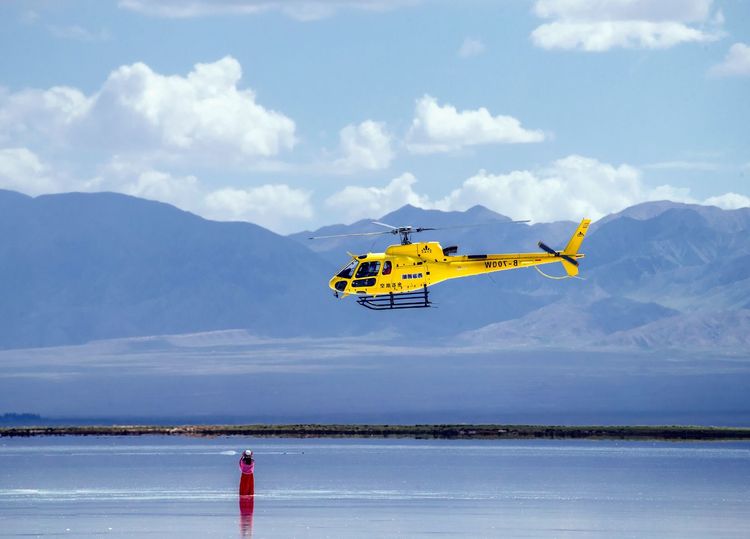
(558,254)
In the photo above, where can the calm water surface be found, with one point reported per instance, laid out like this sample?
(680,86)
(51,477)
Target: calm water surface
(181,487)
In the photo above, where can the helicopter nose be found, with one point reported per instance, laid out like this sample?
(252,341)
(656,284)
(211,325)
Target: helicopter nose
(340,285)
(332,283)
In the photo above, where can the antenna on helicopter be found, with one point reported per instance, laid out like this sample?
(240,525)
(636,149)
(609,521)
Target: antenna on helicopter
(406,231)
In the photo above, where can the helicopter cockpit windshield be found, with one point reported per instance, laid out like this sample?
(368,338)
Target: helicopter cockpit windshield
(348,271)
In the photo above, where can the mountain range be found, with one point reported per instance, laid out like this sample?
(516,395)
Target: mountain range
(79,267)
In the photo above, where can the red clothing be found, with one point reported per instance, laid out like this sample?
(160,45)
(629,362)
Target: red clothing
(247,484)
(247,480)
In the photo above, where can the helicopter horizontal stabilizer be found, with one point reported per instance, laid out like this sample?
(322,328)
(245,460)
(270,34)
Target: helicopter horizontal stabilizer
(570,269)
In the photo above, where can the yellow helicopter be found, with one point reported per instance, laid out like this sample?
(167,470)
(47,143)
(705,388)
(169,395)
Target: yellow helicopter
(399,277)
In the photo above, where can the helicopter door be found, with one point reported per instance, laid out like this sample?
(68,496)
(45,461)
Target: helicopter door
(387,281)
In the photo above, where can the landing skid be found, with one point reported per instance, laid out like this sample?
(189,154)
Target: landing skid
(399,300)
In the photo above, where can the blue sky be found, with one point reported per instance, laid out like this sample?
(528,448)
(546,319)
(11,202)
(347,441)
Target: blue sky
(305,113)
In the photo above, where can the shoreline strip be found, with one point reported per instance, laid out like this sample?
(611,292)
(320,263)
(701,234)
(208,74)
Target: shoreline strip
(448,431)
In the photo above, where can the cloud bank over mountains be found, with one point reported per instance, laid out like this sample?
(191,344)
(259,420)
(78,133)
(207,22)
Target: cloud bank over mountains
(568,188)
(22,170)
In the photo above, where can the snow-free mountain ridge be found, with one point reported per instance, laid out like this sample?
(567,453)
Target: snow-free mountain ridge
(80,267)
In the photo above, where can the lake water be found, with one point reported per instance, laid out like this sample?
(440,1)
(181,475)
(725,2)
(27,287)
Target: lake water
(182,487)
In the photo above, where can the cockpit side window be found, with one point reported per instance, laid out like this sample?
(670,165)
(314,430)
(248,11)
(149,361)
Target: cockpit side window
(387,267)
(368,269)
(348,270)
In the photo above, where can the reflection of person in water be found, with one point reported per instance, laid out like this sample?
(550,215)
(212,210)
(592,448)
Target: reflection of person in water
(247,493)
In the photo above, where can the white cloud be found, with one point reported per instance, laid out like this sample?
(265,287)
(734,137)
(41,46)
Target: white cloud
(471,47)
(47,114)
(571,187)
(155,185)
(735,64)
(303,10)
(437,128)
(728,201)
(278,207)
(22,170)
(275,206)
(364,146)
(355,202)
(595,25)
(202,116)
(138,180)
(602,36)
(203,112)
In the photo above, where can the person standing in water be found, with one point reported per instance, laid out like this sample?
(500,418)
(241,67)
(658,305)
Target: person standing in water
(247,467)
(247,493)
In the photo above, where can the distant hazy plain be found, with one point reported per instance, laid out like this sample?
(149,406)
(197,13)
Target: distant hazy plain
(234,377)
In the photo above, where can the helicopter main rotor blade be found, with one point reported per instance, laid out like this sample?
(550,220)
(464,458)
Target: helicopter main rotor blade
(385,225)
(406,230)
(347,235)
(420,229)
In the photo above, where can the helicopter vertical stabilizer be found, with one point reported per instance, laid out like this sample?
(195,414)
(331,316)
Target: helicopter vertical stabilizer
(571,249)
(575,240)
